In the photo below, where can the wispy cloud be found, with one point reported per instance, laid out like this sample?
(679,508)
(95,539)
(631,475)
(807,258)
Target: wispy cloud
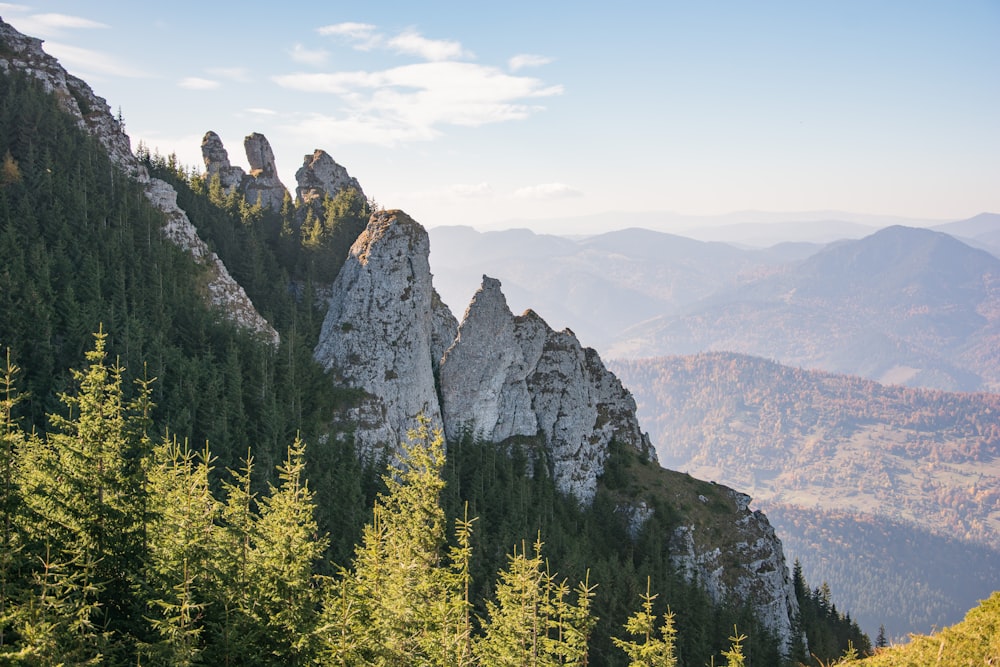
(314,57)
(413,43)
(45,25)
(198,83)
(93,62)
(547,191)
(413,102)
(523,60)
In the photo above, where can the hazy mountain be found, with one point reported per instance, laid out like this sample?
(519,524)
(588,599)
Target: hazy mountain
(599,285)
(903,305)
(980,231)
(891,494)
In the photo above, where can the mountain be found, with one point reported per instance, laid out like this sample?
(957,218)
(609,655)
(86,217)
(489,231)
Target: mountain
(599,285)
(881,490)
(266,327)
(979,231)
(904,305)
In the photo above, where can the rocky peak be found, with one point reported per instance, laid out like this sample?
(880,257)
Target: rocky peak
(261,184)
(216,160)
(507,376)
(319,176)
(381,331)
(21,53)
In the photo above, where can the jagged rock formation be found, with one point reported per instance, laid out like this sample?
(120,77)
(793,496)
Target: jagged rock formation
(25,54)
(382,324)
(507,376)
(261,184)
(760,574)
(216,160)
(319,176)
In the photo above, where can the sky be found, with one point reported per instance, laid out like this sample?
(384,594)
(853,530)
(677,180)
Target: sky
(508,113)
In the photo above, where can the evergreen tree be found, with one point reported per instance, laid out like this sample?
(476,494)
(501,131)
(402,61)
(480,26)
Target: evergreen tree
(84,493)
(403,602)
(532,621)
(285,548)
(182,542)
(650,650)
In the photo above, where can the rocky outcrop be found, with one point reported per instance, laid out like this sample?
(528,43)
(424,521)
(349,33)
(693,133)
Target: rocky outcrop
(261,185)
(507,376)
(223,292)
(216,160)
(319,176)
(381,329)
(21,53)
(751,567)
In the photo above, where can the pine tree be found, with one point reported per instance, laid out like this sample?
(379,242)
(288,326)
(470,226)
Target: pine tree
(11,441)
(285,548)
(532,622)
(84,492)
(403,602)
(182,539)
(650,650)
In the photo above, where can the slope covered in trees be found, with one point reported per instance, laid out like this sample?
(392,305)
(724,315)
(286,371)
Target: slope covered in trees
(872,486)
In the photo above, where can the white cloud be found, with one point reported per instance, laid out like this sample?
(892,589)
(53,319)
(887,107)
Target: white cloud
(412,102)
(547,191)
(523,60)
(45,25)
(198,83)
(425,95)
(95,62)
(348,29)
(260,111)
(315,57)
(413,43)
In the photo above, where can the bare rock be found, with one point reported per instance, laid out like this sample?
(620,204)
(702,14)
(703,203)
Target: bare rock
(262,184)
(216,160)
(320,176)
(381,331)
(506,376)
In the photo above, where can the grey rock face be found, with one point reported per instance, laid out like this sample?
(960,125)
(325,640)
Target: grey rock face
(506,376)
(381,328)
(94,116)
(320,175)
(262,183)
(761,573)
(216,160)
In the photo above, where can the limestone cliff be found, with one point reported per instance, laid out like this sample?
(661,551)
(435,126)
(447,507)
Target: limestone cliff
(507,376)
(21,53)
(319,176)
(382,326)
(261,185)
(749,566)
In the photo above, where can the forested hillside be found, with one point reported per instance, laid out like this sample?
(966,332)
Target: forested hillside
(870,485)
(136,528)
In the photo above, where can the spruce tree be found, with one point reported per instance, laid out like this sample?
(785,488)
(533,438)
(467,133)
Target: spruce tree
(649,650)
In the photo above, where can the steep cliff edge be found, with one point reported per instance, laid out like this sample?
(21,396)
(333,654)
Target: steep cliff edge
(508,376)
(382,329)
(21,53)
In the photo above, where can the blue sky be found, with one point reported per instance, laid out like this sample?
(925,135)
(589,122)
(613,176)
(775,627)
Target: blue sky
(469,113)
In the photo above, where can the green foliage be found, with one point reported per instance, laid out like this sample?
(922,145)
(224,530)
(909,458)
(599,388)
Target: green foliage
(973,641)
(650,651)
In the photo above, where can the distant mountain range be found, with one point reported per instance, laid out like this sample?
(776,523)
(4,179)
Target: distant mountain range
(888,493)
(902,305)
